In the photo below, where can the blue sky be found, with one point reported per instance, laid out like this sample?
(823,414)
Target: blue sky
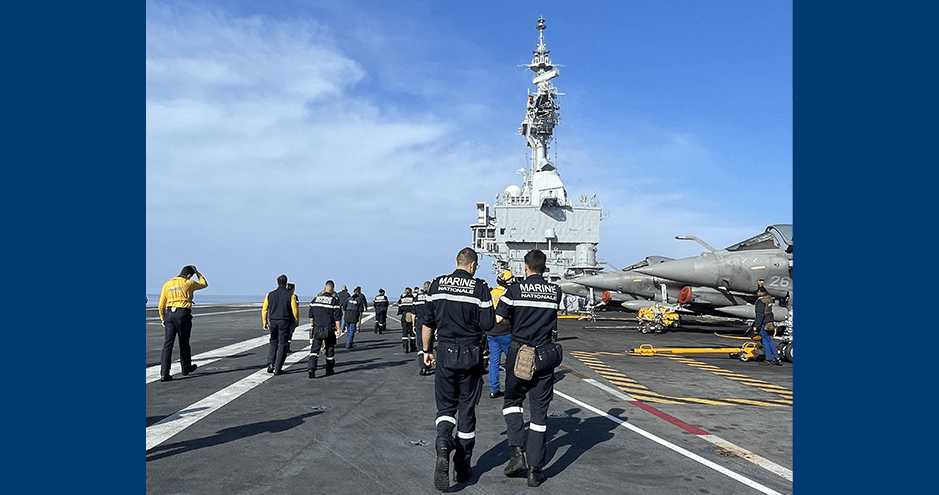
(351,140)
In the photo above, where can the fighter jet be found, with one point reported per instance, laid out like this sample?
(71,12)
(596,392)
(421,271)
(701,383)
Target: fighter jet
(673,295)
(572,286)
(737,268)
(632,289)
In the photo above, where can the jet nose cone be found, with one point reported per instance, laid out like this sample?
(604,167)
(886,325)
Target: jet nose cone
(701,270)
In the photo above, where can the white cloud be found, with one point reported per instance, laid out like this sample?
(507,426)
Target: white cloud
(256,124)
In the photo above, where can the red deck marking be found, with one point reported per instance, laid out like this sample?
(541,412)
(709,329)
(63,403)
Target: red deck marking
(671,419)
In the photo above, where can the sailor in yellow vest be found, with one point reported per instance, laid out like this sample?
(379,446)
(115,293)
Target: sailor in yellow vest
(175,308)
(499,338)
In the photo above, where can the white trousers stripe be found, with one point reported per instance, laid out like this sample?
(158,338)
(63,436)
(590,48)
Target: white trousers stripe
(445,418)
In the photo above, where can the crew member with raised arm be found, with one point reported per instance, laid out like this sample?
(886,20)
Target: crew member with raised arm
(175,308)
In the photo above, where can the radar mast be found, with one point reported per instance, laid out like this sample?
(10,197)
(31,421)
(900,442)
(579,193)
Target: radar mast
(539,215)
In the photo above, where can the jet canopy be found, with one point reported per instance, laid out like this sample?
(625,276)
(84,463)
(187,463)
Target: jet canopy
(775,237)
(648,261)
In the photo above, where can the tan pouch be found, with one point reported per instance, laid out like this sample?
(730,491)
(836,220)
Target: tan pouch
(525,362)
(409,317)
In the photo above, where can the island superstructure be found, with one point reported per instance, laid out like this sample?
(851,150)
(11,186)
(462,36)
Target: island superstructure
(539,214)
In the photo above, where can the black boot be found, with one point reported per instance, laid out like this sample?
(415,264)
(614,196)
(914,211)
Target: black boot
(442,468)
(461,470)
(329,369)
(517,463)
(536,476)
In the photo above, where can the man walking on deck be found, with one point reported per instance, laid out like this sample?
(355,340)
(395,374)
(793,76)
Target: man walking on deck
(279,314)
(325,316)
(532,306)
(459,308)
(353,309)
(381,311)
(175,308)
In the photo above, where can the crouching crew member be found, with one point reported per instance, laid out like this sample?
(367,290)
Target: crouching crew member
(420,306)
(325,318)
(279,314)
(459,308)
(381,311)
(406,311)
(532,307)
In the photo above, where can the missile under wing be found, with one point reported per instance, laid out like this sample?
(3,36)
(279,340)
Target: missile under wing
(748,311)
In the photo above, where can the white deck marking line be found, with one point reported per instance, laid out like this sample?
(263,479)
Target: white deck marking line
(179,421)
(153,372)
(609,390)
(750,456)
(676,448)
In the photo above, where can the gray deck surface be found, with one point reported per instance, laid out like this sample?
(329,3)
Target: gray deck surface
(370,428)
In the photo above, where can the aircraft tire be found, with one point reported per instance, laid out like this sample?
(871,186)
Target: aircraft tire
(787,352)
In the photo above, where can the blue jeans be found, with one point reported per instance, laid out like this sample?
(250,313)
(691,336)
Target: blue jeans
(498,347)
(350,328)
(769,347)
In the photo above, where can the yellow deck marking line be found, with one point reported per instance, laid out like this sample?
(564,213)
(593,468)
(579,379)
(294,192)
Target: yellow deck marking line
(638,390)
(753,382)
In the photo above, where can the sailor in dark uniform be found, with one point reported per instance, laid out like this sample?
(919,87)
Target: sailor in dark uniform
(459,308)
(296,301)
(532,306)
(325,318)
(763,323)
(381,311)
(406,311)
(279,314)
(353,309)
(419,308)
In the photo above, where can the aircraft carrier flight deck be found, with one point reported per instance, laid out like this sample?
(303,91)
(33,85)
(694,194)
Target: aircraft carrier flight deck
(618,423)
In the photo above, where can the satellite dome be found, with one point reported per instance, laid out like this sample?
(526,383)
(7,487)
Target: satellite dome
(512,191)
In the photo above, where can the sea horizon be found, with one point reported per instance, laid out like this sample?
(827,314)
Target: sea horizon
(206,299)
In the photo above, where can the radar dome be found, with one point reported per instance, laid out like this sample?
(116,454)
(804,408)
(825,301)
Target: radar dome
(512,191)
